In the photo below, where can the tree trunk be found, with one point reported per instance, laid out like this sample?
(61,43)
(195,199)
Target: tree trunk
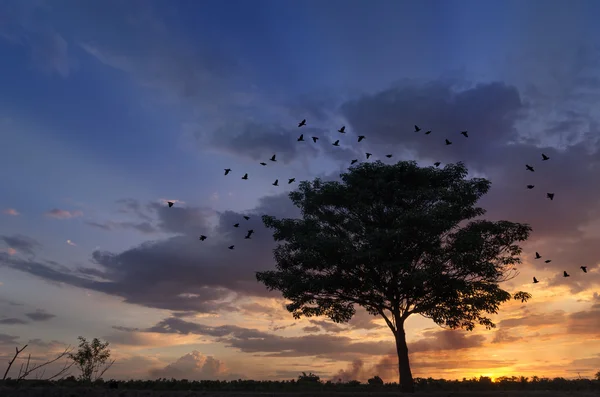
(407,384)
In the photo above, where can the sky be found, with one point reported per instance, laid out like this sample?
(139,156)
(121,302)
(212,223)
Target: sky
(108,109)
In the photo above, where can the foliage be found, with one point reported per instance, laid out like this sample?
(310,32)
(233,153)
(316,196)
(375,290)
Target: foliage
(397,240)
(90,359)
(310,378)
(376,380)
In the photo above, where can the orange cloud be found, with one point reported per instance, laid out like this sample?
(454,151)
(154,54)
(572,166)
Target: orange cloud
(10,211)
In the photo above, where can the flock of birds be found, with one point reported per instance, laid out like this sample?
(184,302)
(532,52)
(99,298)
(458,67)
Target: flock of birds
(342,130)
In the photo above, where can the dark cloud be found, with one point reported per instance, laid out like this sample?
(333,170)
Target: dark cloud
(40,315)
(311,329)
(44,344)
(180,273)
(500,123)
(326,325)
(503,336)
(8,339)
(440,340)
(12,321)
(255,341)
(21,243)
(261,141)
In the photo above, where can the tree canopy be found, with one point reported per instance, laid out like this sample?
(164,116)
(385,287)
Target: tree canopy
(397,240)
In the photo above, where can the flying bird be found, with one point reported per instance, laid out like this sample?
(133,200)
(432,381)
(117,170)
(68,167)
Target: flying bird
(314,138)
(202,237)
(565,274)
(465,134)
(227,171)
(584,268)
(263,163)
(291,180)
(245,176)
(246,217)
(417,129)
(548,260)
(428,132)
(303,122)
(336,143)
(231,247)
(236,225)
(544,157)
(273,158)
(249,234)
(361,137)
(170,203)
(550,196)
(301,139)
(535,280)
(529,168)
(448,142)
(368,155)
(389,156)
(343,129)
(530,186)
(437,163)
(537,256)
(353,161)
(276,183)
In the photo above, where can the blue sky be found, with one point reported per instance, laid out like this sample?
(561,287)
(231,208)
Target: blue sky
(109,108)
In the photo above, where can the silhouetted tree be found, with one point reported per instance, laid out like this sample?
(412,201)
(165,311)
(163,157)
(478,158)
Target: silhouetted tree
(376,380)
(395,240)
(597,376)
(90,358)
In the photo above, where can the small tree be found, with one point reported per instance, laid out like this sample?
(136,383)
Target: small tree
(597,376)
(376,380)
(396,240)
(90,358)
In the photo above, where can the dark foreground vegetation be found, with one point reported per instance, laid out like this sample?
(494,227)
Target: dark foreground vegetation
(305,386)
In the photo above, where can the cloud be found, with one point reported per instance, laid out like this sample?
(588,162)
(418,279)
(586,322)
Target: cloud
(48,49)
(181,273)
(446,340)
(8,339)
(195,366)
(12,321)
(259,141)
(11,211)
(40,315)
(71,243)
(142,227)
(63,214)
(499,118)
(20,243)
(584,322)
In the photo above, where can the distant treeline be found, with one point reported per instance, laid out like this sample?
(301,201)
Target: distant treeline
(313,383)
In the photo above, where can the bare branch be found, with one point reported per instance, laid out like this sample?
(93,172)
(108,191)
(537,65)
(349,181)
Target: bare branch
(105,369)
(28,371)
(10,363)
